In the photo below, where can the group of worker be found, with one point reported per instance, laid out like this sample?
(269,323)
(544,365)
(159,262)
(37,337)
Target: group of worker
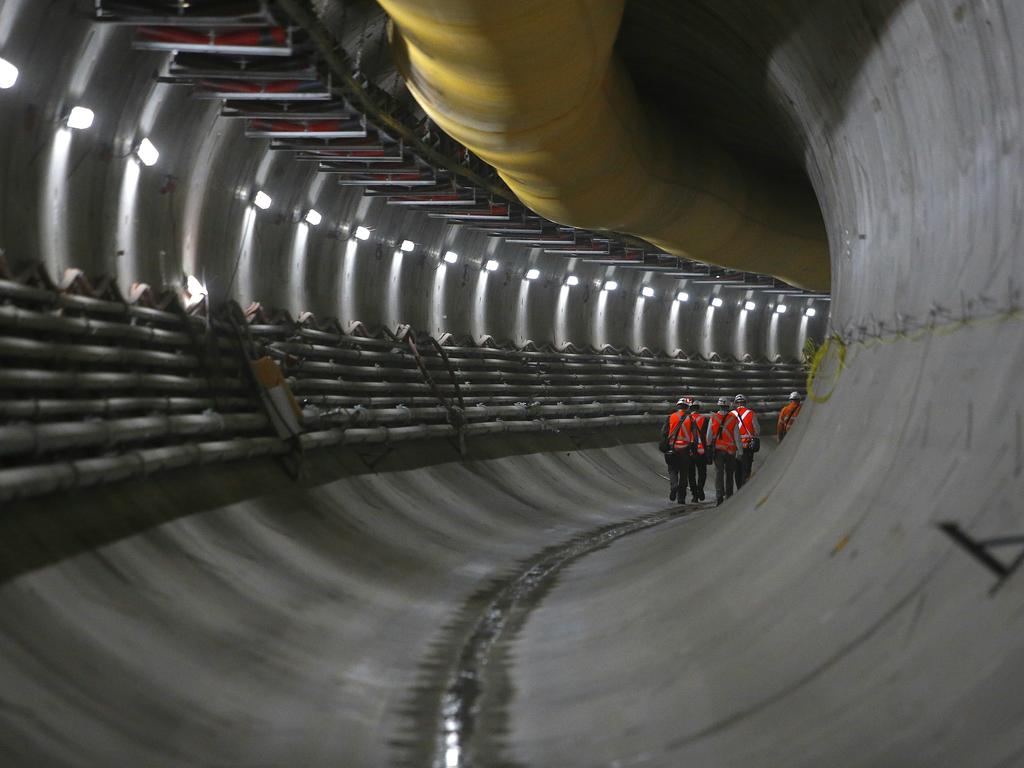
(729,438)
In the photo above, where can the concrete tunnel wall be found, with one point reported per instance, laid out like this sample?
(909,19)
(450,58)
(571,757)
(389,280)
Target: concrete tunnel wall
(820,618)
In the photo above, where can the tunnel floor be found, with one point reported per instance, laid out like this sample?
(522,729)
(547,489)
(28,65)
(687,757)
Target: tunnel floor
(471,719)
(476,685)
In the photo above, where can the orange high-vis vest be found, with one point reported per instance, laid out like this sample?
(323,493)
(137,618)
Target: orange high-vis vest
(746,417)
(722,431)
(695,426)
(787,417)
(680,431)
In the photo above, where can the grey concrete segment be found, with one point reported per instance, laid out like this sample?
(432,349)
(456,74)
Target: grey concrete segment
(287,628)
(228,617)
(818,620)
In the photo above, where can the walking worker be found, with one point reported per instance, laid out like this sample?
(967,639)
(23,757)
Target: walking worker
(788,415)
(676,445)
(750,439)
(700,452)
(725,438)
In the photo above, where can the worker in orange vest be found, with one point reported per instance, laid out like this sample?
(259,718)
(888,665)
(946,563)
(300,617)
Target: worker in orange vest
(701,453)
(788,415)
(724,434)
(750,439)
(677,435)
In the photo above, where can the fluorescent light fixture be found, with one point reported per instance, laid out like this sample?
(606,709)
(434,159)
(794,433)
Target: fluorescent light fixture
(451,257)
(781,309)
(610,285)
(716,302)
(313,218)
(262,200)
(647,291)
(147,153)
(362,233)
(407,246)
(682,296)
(8,74)
(749,306)
(81,118)
(572,280)
(811,312)
(533,274)
(491,265)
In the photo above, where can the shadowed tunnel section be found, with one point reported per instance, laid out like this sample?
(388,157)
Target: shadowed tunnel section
(230,616)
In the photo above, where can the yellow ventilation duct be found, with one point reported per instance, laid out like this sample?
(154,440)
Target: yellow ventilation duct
(535,88)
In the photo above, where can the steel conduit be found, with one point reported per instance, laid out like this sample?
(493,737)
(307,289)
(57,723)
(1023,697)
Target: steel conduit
(535,89)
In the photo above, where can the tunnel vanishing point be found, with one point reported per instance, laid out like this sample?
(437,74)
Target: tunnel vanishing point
(336,337)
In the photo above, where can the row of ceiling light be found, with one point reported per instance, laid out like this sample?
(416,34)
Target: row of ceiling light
(313,217)
(82,118)
(79,118)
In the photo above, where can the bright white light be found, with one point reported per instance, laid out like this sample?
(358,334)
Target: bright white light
(533,274)
(682,296)
(262,200)
(781,309)
(81,118)
(313,218)
(572,280)
(147,153)
(407,246)
(491,265)
(194,286)
(196,291)
(716,302)
(750,306)
(362,233)
(811,312)
(647,291)
(610,285)
(451,257)
(8,74)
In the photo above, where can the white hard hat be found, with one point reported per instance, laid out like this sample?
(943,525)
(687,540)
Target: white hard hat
(794,395)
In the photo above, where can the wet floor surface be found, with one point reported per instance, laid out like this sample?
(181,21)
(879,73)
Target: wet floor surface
(469,722)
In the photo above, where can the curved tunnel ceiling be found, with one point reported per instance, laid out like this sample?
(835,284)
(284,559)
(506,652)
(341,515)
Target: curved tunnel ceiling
(192,214)
(821,617)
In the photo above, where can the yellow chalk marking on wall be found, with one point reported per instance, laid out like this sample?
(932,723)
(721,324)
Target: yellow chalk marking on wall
(840,545)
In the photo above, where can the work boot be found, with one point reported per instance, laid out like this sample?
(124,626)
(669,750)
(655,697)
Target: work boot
(672,495)
(718,501)
(702,495)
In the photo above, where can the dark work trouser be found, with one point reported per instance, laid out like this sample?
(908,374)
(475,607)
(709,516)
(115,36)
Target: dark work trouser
(725,472)
(744,466)
(698,474)
(678,469)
